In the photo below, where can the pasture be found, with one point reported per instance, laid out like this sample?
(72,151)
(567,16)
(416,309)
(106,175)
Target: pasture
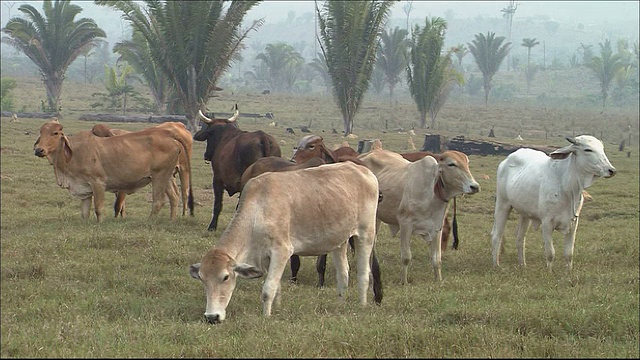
(71,288)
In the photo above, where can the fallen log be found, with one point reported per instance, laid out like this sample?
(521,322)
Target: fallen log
(156,118)
(484,147)
(28,115)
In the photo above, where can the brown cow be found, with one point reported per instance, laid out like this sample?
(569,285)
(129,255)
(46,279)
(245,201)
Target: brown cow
(313,145)
(231,151)
(88,165)
(183,168)
(273,164)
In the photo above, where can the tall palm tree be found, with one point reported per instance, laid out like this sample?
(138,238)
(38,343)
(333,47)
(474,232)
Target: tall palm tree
(192,42)
(52,40)
(429,72)
(529,43)
(488,52)
(349,33)
(283,64)
(137,54)
(391,56)
(605,67)
(508,14)
(319,64)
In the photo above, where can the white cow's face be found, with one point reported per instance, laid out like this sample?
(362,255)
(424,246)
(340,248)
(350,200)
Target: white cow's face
(591,157)
(218,271)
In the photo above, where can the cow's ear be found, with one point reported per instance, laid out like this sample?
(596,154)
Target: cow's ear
(194,271)
(329,154)
(439,158)
(562,153)
(67,148)
(247,271)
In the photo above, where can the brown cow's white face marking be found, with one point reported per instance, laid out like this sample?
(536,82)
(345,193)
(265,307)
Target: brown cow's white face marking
(218,271)
(454,167)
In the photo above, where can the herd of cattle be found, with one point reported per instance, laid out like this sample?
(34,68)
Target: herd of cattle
(321,201)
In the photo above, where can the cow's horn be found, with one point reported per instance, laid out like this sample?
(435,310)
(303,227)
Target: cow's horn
(571,140)
(203,118)
(235,115)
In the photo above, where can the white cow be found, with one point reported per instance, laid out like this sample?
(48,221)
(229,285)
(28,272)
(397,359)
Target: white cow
(306,212)
(415,196)
(548,191)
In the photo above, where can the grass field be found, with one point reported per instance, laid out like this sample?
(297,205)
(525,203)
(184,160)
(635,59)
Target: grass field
(71,288)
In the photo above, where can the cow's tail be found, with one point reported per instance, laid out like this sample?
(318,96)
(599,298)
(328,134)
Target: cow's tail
(187,172)
(265,139)
(455,226)
(377,278)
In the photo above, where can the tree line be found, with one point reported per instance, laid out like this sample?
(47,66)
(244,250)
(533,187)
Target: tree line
(181,50)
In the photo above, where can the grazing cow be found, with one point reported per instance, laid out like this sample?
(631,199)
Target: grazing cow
(306,212)
(230,151)
(415,196)
(88,165)
(548,191)
(183,168)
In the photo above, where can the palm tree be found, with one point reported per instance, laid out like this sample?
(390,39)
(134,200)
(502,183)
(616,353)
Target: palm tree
(605,67)
(508,14)
(429,73)
(391,56)
(488,52)
(283,65)
(319,64)
(529,43)
(52,40)
(137,54)
(460,51)
(193,43)
(349,32)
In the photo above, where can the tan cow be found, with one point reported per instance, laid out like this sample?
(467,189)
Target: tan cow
(415,197)
(183,169)
(88,165)
(306,212)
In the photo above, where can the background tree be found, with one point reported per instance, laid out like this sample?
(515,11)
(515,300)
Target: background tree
(349,42)
(137,54)
(192,42)
(529,72)
(283,65)
(391,56)
(605,67)
(319,64)
(587,53)
(52,40)
(508,14)
(460,52)
(488,52)
(429,73)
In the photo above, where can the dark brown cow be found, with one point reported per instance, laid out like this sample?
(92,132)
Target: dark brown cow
(231,151)
(88,166)
(183,168)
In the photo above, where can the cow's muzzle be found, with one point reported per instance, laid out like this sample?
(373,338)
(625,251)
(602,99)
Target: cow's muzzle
(39,152)
(212,318)
(611,172)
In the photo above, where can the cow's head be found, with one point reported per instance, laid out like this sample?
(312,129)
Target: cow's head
(209,129)
(312,146)
(589,155)
(455,176)
(218,272)
(51,141)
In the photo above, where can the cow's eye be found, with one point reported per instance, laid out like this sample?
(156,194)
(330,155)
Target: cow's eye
(226,277)
(452,165)
(588,150)
(312,147)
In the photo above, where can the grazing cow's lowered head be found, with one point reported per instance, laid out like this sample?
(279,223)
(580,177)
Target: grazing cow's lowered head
(231,151)
(589,156)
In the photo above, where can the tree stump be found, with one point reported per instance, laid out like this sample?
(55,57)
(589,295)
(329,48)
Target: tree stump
(433,143)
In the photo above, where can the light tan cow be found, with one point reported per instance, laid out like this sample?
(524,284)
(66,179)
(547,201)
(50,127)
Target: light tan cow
(88,165)
(415,197)
(183,169)
(306,212)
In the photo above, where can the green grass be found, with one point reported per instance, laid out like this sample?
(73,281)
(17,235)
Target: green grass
(73,288)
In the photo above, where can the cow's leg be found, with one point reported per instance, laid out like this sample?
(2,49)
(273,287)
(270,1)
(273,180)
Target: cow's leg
(159,187)
(295,266)
(98,200)
(172,193)
(218,188)
(501,214)
(364,250)
(271,287)
(321,268)
(569,242)
(405,252)
(521,238)
(436,253)
(339,257)
(118,205)
(547,236)
(85,207)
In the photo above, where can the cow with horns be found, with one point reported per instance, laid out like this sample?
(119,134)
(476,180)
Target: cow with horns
(231,151)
